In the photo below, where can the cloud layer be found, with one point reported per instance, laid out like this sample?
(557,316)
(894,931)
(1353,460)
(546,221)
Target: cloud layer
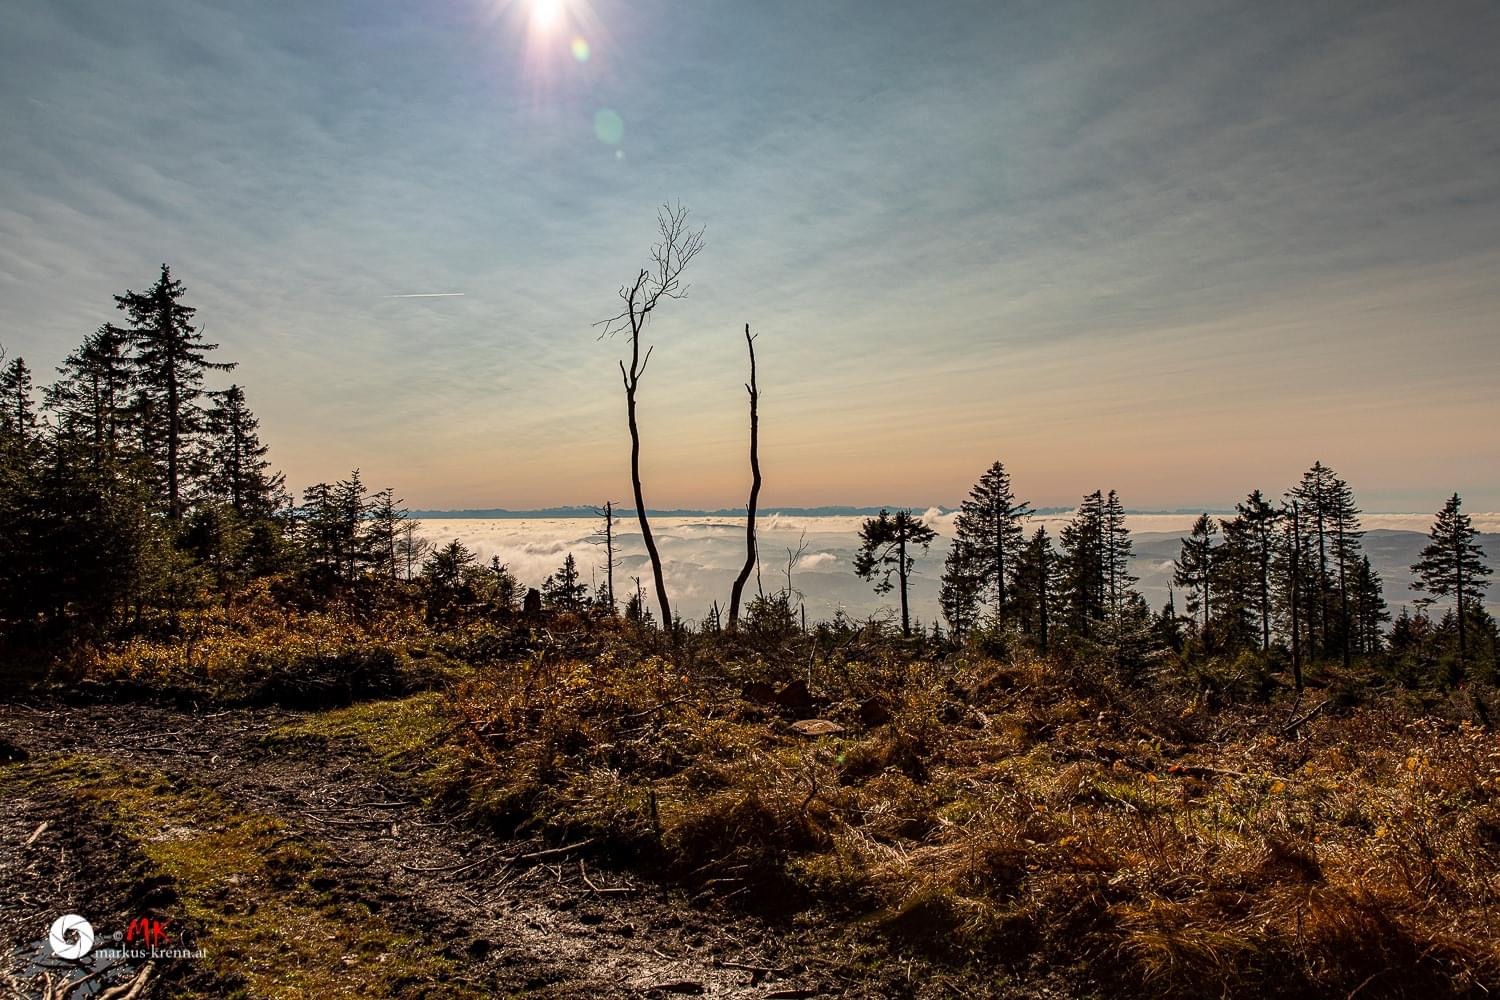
(703,554)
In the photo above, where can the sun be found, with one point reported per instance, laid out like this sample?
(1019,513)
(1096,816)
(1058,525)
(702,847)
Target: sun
(548,16)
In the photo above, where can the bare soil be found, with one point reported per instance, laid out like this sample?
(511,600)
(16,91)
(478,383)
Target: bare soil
(517,917)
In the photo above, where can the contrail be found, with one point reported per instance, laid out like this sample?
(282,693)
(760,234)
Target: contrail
(427,295)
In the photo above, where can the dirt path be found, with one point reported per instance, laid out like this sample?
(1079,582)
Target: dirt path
(518,918)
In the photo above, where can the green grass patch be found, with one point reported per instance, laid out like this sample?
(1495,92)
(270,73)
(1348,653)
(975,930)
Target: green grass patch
(274,920)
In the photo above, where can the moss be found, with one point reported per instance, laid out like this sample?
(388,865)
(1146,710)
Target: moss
(269,914)
(400,733)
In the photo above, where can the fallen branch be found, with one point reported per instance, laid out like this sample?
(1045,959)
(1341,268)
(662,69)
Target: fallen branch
(1291,727)
(555,851)
(130,990)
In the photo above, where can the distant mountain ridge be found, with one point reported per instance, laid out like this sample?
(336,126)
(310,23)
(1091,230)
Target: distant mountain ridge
(828,511)
(561,512)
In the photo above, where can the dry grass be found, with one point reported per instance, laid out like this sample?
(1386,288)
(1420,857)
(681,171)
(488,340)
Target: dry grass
(1020,815)
(259,650)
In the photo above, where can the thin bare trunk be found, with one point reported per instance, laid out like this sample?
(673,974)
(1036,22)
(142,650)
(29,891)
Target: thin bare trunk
(901,572)
(739,584)
(632,379)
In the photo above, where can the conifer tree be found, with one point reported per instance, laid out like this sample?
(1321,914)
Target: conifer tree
(91,400)
(351,509)
(1256,522)
(961,589)
(233,468)
(1084,581)
(387,517)
(1370,613)
(989,527)
(1236,587)
(564,590)
(1453,565)
(888,545)
(171,359)
(1119,582)
(1196,565)
(1331,537)
(448,581)
(17,409)
(1313,495)
(1344,546)
(1035,569)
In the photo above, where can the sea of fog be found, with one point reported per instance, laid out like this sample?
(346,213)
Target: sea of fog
(702,554)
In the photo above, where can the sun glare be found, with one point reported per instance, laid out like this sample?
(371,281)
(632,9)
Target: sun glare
(547,16)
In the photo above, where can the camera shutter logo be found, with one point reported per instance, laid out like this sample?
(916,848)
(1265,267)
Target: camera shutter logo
(83,939)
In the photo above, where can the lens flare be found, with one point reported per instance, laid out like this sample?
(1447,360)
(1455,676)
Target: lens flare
(609,126)
(580,50)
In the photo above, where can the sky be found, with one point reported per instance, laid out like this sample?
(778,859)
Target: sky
(1181,250)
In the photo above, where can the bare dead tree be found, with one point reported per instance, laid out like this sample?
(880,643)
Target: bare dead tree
(750,547)
(605,535)
(675,248)
(793,558)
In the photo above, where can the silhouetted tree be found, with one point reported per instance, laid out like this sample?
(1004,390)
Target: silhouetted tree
(1453,565)
(387,519)
(233,467)
(675,248)
(447,581)
(604,535)
(750,552)
(91,400)
(1083,583)
(1256,523)
(1034,585)
(1195,568)
(171,359)
(1345,534)
(987,537)
(1119,582)
(888,544)
(563,590)
(961,589)
(1370,611)
(17,409)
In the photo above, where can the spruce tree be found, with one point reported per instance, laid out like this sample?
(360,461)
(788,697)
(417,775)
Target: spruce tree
(18,424)
(91,401)
(1370,613)
(448,581)
(351,509)
(1083,581)
(1196,565)
(387,518)
(171,360)
(888,546)
(1236,585)
(1344,546)
(1256,522)
(1453,564)
(563,590)
(989,527)
(1313,495)
(1035,569)
(232,464)
(1119,582)
(961,589)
